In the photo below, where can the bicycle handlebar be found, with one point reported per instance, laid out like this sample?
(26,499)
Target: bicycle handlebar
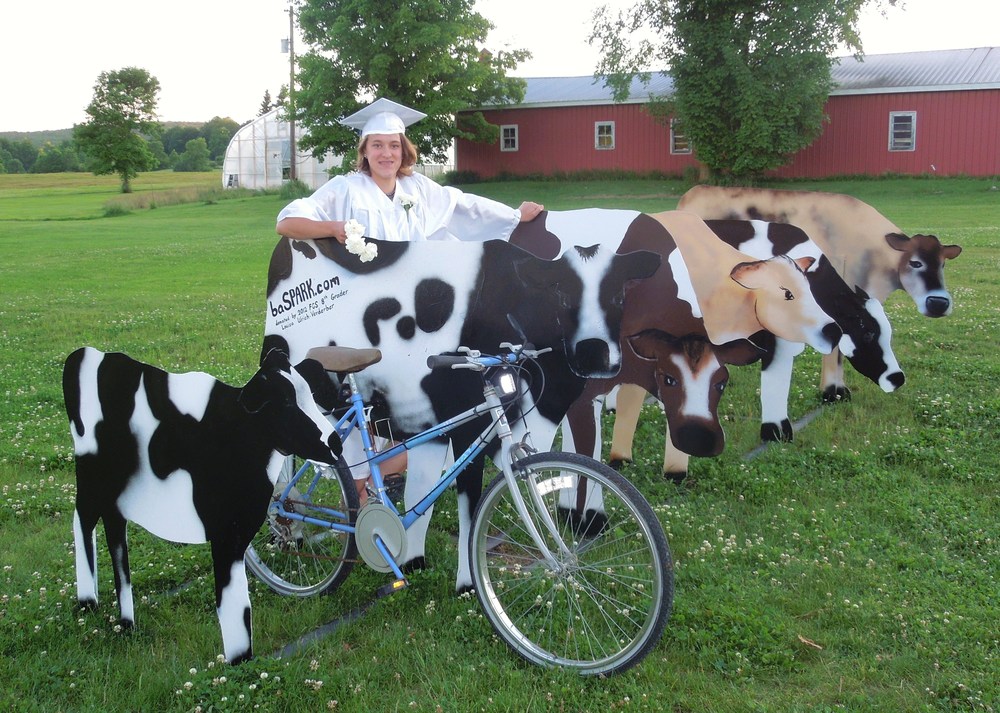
(475,360)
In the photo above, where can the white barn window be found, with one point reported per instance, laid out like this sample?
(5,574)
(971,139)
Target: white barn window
(902,131)
(679,143)
(508,137)
(604,135)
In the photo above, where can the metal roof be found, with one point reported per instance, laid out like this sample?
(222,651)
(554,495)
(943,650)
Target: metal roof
(930,71)
(933,70)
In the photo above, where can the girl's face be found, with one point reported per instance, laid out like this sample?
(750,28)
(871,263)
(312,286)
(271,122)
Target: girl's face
(385,155)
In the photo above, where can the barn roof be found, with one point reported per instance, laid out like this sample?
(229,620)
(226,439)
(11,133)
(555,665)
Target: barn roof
(932,70)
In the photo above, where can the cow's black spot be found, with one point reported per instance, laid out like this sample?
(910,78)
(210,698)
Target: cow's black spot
(435,303)
(406,327)
(385,308)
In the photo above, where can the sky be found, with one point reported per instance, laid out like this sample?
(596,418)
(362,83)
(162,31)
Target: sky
(217,57)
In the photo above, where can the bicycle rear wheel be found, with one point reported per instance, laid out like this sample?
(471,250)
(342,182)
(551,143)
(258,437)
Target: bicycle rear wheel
(299,558)
(603,604)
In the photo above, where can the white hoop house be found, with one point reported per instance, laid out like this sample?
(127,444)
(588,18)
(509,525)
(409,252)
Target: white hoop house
(259,156)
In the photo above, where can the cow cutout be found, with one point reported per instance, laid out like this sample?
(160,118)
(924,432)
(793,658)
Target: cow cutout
(868,250)
(188,458)
(319,294)
(867,332)
(748,296)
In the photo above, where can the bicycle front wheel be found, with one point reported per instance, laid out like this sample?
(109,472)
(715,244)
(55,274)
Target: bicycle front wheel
(300,557)
(601,603)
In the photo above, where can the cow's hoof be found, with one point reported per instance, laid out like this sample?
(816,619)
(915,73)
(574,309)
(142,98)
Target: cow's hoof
(237,660)
(464,589)
(126,624)
(590,524)
(87,604)
(414,565)
(617,463)
(677,478)
(836,394)
(776,433)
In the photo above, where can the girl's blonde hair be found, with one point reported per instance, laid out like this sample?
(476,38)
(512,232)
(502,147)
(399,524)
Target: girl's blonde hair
(406,165)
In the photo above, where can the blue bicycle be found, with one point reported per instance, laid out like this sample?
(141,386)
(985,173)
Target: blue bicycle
(593,596)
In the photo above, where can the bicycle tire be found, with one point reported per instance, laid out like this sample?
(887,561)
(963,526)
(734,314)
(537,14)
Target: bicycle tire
(302,559)
(605,605)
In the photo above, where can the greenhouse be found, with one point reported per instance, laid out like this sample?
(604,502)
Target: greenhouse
(259,156)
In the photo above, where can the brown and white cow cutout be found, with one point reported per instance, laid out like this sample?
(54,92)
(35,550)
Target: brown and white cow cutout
(865,247)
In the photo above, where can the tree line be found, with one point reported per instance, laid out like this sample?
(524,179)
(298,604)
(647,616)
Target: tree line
(180,147)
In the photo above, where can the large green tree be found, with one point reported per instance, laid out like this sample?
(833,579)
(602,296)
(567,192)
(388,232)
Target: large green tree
(427,54)
(751,77)
(119,118)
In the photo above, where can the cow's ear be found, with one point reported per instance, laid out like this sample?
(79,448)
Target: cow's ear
(638,265)
(257,393)
(276,359)
(804,263)
(645,344)
(951,252)
(897,241)
(746,274)
(862,295)
(739,352)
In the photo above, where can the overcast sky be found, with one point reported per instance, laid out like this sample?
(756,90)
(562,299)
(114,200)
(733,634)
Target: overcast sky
(217,57)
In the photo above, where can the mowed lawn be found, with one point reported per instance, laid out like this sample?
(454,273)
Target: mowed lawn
(856,568)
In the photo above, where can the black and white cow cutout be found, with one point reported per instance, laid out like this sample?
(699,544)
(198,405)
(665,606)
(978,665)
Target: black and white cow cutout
(424,298)
(191,460)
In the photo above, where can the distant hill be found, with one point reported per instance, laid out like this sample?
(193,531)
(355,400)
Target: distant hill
(57,136)
(39,138)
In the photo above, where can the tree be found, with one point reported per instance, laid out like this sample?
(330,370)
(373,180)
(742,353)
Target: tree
(265,105)
(195,157)
(751,77)
(427,54)
(176,136)
(217,134)
(121,113)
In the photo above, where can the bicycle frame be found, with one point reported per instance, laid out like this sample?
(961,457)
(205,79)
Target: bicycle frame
(356,418)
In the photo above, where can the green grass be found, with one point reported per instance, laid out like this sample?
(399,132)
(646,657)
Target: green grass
(854,569)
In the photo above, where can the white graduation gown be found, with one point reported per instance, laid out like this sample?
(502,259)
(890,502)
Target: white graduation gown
(420,210)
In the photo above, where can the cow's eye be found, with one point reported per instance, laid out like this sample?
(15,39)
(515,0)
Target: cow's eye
(916,264)
(720,386)
(668,380)
(788,294)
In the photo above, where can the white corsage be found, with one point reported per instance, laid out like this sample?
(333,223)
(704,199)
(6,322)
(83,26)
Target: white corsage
(356,243)
(407,202)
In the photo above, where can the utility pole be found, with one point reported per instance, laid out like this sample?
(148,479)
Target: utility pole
(291,92)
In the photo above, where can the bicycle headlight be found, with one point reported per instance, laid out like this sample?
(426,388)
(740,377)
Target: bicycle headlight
(505,382)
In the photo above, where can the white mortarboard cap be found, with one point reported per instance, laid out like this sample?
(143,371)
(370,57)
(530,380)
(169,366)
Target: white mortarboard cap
(383,116)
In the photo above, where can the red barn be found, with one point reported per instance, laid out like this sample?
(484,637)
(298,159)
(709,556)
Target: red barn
(909,113)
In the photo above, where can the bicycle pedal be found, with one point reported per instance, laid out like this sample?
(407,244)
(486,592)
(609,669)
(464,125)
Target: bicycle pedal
(391,588)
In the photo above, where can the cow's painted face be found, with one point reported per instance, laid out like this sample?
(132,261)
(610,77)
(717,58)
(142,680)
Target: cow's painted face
(784,303)
(691,377)
(921,271)
(588,287)
(299,425)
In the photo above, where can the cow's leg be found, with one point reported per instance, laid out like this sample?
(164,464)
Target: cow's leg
(775,385)
(470,491)
(675,461)
(581,430)
(832,380)
(232,600)
(85,544)
(115,534)
(628,406)
(423,470)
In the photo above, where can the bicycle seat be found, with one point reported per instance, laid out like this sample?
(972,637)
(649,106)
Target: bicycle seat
(344,359)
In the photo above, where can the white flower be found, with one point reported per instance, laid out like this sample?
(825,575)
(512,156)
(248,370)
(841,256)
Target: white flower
(354,229)
(407,202)
(356,243)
